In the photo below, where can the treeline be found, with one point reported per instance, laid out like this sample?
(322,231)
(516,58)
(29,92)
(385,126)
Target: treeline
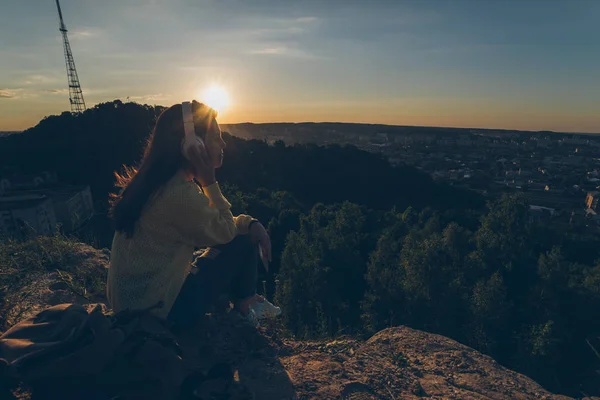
(360,245)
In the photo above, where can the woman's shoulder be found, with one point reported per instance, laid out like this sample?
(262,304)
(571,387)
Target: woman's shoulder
(180,189)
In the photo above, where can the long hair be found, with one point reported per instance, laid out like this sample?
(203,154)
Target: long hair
(162,159)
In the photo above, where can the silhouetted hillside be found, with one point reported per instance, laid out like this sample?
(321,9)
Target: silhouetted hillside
(88,148)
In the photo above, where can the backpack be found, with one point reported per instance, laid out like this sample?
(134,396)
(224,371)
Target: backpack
(72,352)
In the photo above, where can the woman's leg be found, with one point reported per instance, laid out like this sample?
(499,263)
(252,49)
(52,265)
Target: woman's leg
(233,269)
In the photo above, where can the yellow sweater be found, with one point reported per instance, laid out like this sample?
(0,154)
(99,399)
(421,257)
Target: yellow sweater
(153,264)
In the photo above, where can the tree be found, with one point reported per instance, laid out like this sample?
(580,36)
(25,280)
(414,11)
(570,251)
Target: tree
(322,270)
(385,302)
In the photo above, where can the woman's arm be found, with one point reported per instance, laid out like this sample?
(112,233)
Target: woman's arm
(205,219)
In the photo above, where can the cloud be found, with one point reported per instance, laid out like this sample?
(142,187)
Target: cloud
(306,20)
(270,50)
(35,79)
(6,94)
(149,97)
(278,27)
(17,93)
(133,71)
(56,91)
(84,33)
(283,51)
(113,56)
(276,32)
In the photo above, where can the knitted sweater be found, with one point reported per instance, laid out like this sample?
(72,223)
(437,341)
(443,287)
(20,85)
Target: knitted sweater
(152,265)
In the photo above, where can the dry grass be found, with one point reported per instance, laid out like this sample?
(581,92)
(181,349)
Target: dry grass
(32,271)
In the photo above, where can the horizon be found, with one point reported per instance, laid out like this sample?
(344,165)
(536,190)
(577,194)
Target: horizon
(375,124)
(461,64)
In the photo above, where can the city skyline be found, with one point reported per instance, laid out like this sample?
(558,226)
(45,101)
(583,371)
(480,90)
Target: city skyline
(480,64)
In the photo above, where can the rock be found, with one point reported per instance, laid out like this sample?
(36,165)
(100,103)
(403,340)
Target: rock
(432,366)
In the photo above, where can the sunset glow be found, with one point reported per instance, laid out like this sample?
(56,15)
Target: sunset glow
(215,97)
(463,63)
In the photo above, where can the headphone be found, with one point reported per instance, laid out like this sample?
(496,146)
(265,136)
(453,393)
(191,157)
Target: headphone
(190,139)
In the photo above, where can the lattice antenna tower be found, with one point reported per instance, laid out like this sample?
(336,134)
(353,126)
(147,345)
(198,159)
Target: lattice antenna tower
(75,93)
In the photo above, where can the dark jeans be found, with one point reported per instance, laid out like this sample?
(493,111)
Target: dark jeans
(232,271)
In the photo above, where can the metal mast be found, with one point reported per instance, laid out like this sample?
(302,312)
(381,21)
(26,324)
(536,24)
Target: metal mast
(75,93)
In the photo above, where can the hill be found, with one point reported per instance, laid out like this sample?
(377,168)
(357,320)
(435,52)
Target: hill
(88,148)
(301,130)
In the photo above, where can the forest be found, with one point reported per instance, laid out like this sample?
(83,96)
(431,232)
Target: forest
(359,245)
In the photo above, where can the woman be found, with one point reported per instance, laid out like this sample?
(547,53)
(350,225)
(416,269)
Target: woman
(161,215)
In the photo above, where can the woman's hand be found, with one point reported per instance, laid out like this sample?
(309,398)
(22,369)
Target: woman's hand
(203,166)
(258,235)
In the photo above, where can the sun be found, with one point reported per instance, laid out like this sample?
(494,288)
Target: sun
(216,97)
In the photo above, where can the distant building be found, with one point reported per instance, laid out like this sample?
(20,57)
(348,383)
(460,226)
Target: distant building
(524,172)
(577,217)
(539,213)
(27,182)
(575,140)
(465,141)
(8,133)
(592,215)
(73,206)
(38,205)
(383,136)
(591,200)
(26,216)
(543,142)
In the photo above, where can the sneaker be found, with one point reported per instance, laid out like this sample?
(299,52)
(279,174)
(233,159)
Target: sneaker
(263,308)
(252,318)
(241,319)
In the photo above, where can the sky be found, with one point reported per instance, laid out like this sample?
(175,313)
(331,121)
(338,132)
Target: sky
(512,64)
